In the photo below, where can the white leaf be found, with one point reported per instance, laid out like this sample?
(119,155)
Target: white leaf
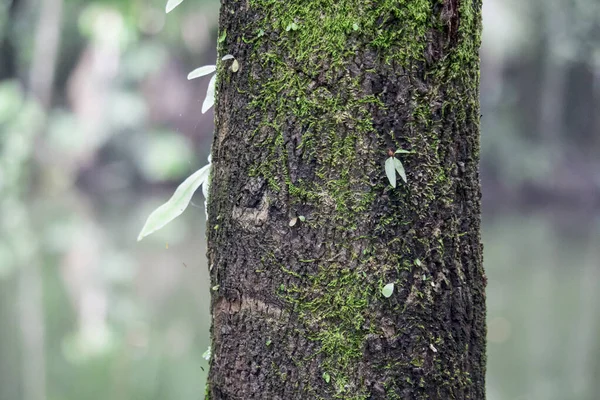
(209,101)
(390,171)
(176,204)
(202,71)
(400,169)
(171,4)
(387,290)
(227,57)
(206,186)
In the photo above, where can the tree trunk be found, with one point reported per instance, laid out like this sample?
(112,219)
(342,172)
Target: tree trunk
(305,229)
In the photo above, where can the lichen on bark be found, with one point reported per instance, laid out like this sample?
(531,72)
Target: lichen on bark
(325,88)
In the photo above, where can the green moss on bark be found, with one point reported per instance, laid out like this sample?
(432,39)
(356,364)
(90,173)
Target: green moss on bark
(323,78)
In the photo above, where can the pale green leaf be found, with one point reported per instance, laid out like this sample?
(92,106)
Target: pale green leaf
(222,37)
(302,218)
(227,57)
(326,376)
(235,66)
(399,168)
(355,26)
(390,171)
(171,4)
(402,151)
(209,101)
(202,71)
(206,355)
(176,204)
(387,290)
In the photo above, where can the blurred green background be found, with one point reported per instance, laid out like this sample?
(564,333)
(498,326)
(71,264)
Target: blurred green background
(98,125)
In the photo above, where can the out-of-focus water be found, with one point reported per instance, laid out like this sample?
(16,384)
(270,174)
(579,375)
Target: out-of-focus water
(543,301)
(123,320)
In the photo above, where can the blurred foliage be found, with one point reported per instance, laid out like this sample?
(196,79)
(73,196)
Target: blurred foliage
(76,179)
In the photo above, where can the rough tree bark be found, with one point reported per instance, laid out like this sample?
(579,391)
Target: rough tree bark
(304,228)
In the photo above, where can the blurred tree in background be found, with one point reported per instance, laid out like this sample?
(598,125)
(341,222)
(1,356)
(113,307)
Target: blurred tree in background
(98,124)
(541,92)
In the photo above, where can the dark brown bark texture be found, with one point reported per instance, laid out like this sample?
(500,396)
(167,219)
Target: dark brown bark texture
(305,229)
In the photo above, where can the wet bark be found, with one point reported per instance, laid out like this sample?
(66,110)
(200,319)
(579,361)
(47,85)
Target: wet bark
(304,228)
